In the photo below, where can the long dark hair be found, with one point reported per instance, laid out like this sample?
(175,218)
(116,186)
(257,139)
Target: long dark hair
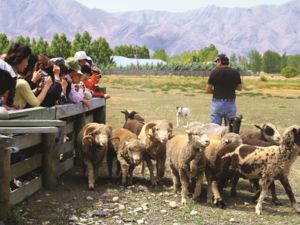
(17,53)
(7,83)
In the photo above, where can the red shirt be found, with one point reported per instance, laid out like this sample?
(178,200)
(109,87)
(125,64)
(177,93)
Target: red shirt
(90,84)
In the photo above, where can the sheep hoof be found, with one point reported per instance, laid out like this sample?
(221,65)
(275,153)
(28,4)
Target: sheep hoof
(91,187)
(183,202)
(258,210)
(276,202)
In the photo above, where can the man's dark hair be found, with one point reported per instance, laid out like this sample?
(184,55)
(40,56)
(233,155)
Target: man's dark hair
(17,53)
(7,83)
(223,58)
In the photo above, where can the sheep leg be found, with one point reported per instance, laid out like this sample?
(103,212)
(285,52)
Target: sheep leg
(91,178)
(177,120)
(130,172)
(160,166)
(274,196)
(124,168)
(288,189)
(151,169)
(264,188)
(175,177)
(234,182)
(217,196)
(197,190)
(184,179)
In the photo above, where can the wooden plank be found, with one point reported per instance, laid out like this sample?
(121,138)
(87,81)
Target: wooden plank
(23,192)
(33,113)
(89,118)
(28,130)
(27,140)
(49,161)
(68,110)
(69,127)
(63,167)
(65,147)
(32,123)
(25,166)
(4,181)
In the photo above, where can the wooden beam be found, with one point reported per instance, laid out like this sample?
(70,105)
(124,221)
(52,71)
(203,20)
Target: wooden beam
(22,141)
(23,192)
(33,113)
(25,166)
(50,157)
(63,167)
(32,123)
(4,182)
(28,130)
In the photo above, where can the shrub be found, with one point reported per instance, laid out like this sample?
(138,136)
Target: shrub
(289,72)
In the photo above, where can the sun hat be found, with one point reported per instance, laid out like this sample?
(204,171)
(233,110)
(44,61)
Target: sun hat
(80,55)
(73,64)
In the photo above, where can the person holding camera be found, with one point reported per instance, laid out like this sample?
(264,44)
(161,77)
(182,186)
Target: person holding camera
(17,57)
(222,83)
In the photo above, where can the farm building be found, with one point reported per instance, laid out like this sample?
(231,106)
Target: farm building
(122,61)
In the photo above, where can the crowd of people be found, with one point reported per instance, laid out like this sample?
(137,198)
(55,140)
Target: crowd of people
(30,80)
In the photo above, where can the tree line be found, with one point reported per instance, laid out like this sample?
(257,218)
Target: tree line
(101,52)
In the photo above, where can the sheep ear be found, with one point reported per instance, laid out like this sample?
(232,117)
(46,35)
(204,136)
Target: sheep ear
(257,126)
(171,136)
(241,117)
(148,127)
(171,125)
(123,112)
(108,130)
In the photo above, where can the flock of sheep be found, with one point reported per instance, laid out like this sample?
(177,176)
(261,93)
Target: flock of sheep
(219,154)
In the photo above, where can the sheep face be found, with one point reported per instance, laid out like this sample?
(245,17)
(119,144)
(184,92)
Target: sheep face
(99,137)
(270,133)
(135,149)
(291,136)
(129,114)
(198,138)
(234,124)
(231,138)
(160,131)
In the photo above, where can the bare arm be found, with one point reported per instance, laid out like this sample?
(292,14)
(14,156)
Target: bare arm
(209,89)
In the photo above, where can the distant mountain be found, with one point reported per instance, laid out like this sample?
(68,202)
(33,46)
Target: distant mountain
(237,30)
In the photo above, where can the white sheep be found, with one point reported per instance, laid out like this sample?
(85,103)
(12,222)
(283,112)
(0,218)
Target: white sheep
(182,150)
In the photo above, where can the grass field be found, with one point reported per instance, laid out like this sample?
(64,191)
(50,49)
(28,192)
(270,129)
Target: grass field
(264,99)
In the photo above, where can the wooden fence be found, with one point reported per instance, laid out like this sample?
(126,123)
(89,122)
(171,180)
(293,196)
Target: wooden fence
(39,136)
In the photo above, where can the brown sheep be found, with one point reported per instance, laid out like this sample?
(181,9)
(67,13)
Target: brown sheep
(216,144)
(92,145)
(182,150)
(265,163)
(129,151)
(133,121)
(156,135)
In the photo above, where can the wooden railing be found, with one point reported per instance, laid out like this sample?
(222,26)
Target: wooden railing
(39,137)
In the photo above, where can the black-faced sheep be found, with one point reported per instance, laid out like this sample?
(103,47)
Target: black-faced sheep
(128,150)
(266,163)
(155,135)
(92,145)
(133,121)
(229,140)
(182,150)
(234,124)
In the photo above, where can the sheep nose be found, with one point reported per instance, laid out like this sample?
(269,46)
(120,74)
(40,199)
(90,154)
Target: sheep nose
(164,140)
(207,142)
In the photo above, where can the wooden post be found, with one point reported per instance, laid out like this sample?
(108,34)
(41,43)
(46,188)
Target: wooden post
(50,157)
(78,124)
(4,178)
(100,113)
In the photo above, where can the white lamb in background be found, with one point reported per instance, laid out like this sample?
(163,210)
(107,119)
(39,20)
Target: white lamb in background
(183,112)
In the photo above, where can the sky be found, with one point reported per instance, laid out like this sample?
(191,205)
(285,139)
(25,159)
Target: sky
(172,5)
